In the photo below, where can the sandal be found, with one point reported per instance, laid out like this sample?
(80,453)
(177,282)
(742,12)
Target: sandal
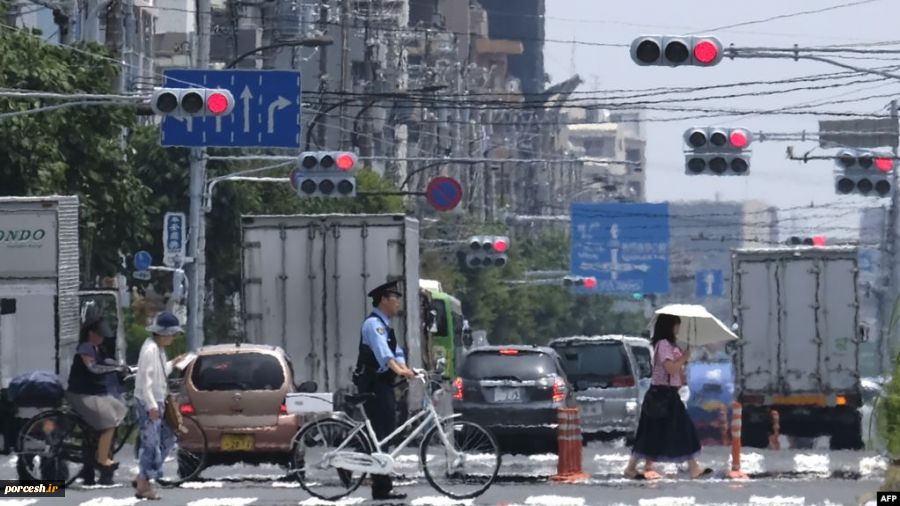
(633,475)
(705,472)
(651,474)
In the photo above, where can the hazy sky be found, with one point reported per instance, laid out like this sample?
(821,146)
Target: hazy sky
(773,178)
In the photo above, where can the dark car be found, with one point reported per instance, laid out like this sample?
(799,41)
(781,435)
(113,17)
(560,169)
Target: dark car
(514,391)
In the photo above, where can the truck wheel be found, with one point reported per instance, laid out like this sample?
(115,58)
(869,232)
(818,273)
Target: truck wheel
(847,436)
(754,435)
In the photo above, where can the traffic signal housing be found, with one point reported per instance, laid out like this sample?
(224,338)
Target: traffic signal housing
(191,102)
(676,50)
(487,251)
(325,174)
(863,172)
(817,241)
(588,282)
(717,151)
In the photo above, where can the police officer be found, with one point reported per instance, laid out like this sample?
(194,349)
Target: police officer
(380,362)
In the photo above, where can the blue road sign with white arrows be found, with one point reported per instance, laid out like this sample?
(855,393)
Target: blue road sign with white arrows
(266,110)
(710,283)
(624,246)
(142,260)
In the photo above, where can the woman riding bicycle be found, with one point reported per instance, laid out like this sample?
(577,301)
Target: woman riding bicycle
(94,393)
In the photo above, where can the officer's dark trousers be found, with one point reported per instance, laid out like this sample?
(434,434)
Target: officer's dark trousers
(382,411)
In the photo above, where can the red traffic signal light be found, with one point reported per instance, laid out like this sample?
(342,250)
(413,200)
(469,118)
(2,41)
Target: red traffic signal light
(590,282)
(501,245)
(819,241)
(345,161)
(739,138)
(217,103)
(706,51)
(884,164)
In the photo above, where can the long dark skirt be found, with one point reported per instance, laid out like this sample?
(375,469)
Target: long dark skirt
(670,439)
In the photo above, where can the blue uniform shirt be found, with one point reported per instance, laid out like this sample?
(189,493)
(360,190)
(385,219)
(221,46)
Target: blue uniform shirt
(375,336)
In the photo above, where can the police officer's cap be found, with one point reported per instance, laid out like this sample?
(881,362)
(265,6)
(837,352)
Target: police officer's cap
(386,288)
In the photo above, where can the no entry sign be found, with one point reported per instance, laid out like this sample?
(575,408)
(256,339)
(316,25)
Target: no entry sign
(443,193)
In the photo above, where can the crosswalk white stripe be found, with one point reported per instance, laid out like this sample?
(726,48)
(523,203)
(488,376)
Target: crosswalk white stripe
(111,501)
(811,463)
(223,501)
(554,500)
(668,501)
(347,501)
(779,500)
(202,484)
(439,500)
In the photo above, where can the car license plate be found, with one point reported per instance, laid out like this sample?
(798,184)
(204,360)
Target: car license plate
(507,395)
(237,442)
(593,409)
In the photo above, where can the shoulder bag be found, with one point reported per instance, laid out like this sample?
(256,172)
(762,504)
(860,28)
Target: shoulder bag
(172,412)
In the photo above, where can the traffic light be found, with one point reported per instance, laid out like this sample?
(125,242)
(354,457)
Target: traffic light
(487,251)
(325,174)
(588,282)
(718,151)
(816,240)
(676,50)
(863,172)
(192,102)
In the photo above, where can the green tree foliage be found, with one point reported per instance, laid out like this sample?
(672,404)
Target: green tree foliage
(528,314)
(70,151)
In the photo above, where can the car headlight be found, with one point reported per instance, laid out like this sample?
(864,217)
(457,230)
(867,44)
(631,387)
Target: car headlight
(631,407)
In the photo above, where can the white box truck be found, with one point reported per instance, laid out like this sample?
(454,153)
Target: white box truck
(305,280)
(797,314)
(39,280)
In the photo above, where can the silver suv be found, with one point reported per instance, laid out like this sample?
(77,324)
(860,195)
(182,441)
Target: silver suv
(605,376)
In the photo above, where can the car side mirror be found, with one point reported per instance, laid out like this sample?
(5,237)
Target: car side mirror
(441,366)
(307,387)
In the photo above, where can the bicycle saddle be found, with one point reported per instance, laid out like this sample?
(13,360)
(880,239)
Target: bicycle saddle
(357,399)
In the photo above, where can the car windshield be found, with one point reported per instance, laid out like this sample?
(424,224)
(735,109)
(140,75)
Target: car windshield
(237,371)
(519,367)
(594,364)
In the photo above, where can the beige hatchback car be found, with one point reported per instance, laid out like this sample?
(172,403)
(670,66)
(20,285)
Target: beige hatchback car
(237,393)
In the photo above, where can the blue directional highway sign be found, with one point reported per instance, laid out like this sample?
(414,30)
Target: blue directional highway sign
(710,283)
(624,246)
(266,111)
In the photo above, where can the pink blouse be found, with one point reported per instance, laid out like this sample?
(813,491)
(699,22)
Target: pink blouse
(665,351)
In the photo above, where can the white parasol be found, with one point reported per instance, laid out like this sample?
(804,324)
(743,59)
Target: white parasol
(698,326)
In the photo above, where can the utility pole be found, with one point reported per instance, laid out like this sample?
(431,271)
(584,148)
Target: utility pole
(196,218)
(346,85)
(889,290)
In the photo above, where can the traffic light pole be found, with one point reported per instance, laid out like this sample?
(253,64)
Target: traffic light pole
(196,217)
(890,291)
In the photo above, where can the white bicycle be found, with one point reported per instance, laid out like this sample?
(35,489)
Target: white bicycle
(333,455)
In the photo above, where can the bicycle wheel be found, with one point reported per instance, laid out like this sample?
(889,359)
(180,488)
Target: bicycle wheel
(465,468)
(54,446)
(188,458)
(125,429)
(310,461)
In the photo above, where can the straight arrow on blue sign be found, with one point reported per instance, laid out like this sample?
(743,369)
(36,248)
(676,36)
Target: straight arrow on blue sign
(267,112)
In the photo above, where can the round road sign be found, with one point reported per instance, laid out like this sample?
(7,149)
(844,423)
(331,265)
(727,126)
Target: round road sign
(443,193)
(142,260)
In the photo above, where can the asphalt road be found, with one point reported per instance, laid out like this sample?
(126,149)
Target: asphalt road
(797,477)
